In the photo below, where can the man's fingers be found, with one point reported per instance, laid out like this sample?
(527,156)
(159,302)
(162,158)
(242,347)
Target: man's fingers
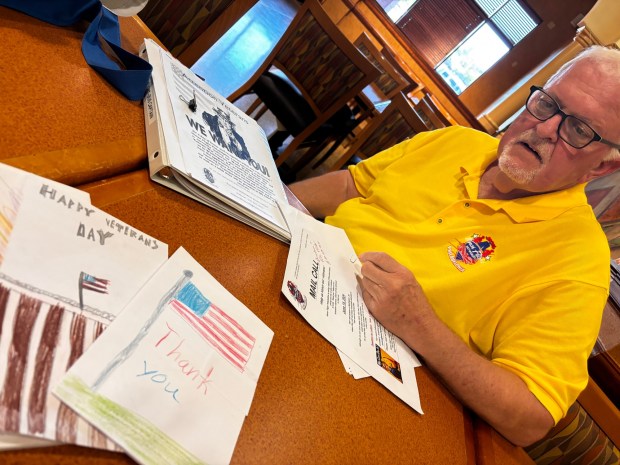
(369,299)
(371,292)
(373,274)
(380,260)
(379,268)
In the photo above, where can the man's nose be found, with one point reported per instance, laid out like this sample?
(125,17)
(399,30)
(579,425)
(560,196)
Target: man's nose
(548,129)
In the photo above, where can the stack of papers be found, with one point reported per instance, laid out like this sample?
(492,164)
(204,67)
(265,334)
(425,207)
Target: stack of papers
(320,281)
(97,320)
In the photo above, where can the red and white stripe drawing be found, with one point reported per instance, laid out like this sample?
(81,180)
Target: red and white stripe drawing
(233,342)
(38,343)
(93,283)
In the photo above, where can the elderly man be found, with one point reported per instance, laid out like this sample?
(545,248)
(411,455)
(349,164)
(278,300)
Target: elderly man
(486,259)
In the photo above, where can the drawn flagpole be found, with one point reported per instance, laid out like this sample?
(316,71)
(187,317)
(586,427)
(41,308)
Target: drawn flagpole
(91,283)
(80,291)
(124,354)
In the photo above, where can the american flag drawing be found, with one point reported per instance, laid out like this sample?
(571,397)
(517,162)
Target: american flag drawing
(221,331)
(94,284)
(91,283)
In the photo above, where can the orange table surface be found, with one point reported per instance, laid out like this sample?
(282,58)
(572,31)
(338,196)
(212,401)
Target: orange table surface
(307,409)
(58,117)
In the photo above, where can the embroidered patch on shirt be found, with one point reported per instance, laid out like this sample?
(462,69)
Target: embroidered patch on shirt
(474,249)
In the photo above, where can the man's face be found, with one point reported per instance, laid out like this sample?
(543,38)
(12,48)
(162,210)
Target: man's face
(533,156)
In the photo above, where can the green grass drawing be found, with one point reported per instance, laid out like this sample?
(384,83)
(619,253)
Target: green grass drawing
(139,437)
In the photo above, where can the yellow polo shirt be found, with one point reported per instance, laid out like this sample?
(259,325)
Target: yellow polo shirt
(522,282)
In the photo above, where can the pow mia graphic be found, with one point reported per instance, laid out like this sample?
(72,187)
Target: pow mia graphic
(297,295)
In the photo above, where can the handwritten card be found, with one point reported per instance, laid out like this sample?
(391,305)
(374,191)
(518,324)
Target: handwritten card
(66,270)
(172,379)
(320,282)
(13,184)
(77,254)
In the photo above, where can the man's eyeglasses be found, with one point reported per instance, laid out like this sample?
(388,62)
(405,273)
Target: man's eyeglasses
(571,129)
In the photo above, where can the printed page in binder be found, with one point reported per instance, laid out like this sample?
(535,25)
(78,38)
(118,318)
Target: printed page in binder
(204,147)
(184,345)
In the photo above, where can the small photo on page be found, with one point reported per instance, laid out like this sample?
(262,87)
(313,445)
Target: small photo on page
(297,295)
(387,362)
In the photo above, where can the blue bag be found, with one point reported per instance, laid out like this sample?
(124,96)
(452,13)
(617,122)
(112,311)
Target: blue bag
(133,79)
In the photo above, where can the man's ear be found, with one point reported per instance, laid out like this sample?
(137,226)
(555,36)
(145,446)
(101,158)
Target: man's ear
(604,168)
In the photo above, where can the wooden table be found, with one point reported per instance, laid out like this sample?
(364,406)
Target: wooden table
(306,408)
(58,117)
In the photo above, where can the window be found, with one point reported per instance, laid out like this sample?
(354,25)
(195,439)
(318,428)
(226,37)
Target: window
(508,22)
(472,58)
(510,17)
(396,9)
(461,39)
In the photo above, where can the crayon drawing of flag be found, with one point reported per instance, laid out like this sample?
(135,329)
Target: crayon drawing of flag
(221,331)
(92,283)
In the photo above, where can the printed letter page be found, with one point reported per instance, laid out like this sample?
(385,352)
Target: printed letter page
(320,282)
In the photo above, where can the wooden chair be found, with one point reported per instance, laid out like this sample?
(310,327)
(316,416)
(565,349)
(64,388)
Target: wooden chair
(390,81)
(188,28)
(588,434)
(429,113)
(396,123)
(321,71)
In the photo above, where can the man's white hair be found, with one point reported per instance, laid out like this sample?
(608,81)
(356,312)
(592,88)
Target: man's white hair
(607,62)
(606,59)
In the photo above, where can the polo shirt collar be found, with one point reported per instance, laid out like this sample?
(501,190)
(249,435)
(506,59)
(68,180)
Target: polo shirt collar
(526,209)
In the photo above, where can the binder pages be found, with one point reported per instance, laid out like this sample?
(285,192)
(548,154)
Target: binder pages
(202,146)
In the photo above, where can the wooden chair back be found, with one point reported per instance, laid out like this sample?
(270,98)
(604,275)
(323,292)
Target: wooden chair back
(399,65)
(428,111)
(397,122)
(318,59)
(589,433)
(390,81)
(188,28)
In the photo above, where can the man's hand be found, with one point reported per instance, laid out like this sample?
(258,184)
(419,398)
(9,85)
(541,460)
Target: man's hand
(396,299)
